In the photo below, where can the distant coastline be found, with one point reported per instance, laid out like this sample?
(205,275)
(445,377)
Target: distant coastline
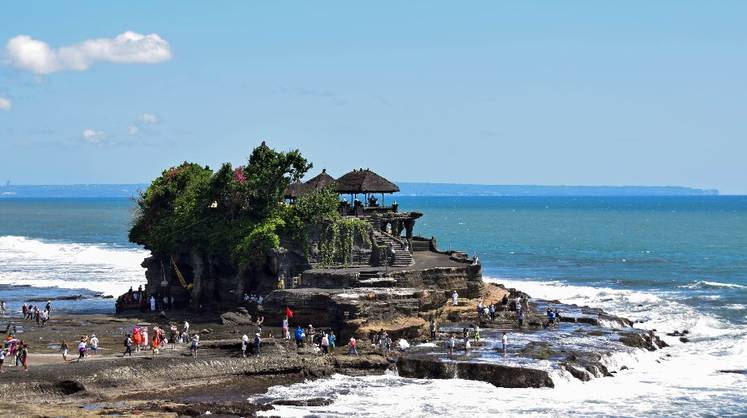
(407,189)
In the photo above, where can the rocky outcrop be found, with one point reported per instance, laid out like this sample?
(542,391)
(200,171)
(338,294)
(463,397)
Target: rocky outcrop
(645,340)
(346,310)
(495,374)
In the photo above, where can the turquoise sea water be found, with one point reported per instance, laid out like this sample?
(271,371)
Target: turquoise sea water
(693,247)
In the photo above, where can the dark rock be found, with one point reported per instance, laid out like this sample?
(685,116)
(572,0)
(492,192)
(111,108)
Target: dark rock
(737,371)
(648,341)
(236,318)
(684,339)
(70,387)
(496,374)
(580,374)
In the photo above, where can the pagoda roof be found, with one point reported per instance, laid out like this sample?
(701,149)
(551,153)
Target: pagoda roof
(364,181)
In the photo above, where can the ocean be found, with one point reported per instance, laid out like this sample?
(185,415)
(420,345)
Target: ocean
(670,263)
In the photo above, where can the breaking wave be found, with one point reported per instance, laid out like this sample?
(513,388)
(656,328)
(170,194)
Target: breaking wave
(98,267)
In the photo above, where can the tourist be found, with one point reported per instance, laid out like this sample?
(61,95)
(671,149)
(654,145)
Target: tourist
(2,308)
(257,344)
(332,341)
(44,317)
(479,309)
(82,348)
(491,311)
(156,343)
(433,328)
(353,346)
(504,302)
(260,321)
(128,346)
(455,298)
(550,317)
(144,338)
(517,304)
(25,310)
(477,333)
(286,332)
(520,318)
(2,358)
(48,309)
(465,338)
(451,344)
(244,344)
(185,328)
(325,343)
(152,302)
(64,348)
(94,344)
(173,335)
(504,340)
(310,334)
(24,356)
(194,345)
(300,335)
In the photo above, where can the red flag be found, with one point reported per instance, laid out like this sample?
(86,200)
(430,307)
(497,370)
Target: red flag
(288,312)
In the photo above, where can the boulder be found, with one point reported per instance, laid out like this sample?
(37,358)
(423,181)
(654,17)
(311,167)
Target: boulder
(495,374)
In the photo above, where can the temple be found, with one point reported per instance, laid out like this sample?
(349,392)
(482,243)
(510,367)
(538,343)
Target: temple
(386,274)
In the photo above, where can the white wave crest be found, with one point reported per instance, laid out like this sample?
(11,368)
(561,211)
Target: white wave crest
(704,284)
(97,267)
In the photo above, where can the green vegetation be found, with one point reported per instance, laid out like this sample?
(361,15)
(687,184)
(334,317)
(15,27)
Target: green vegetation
(339,237)
(234,211)
(239,212)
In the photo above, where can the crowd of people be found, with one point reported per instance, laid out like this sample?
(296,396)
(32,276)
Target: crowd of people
(36,314)
(16,349)
(142,338)
(320,340)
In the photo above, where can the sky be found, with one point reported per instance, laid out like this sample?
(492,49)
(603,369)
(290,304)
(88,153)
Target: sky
(486,92)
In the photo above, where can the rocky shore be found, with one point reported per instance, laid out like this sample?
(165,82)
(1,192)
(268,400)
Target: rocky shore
(219,380)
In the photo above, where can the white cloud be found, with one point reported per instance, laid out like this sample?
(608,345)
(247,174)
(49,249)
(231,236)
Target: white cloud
(148,118)
(133,130)
(126,48)
(5,104)
(93,136)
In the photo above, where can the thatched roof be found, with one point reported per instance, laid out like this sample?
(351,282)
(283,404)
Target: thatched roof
(321,181)
(364,181)
(296,189)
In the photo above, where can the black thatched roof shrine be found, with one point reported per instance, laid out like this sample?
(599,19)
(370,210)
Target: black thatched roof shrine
(295,190)
(321,181)
(364,181)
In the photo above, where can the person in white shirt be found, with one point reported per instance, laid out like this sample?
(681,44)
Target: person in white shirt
(94,344)
(455,298)
(244,344)
(81,349)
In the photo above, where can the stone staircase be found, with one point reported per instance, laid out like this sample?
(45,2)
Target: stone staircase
(402,255)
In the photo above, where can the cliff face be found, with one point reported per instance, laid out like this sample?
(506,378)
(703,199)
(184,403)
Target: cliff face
(215,282)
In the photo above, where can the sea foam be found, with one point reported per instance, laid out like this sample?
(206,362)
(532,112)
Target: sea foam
(98,267)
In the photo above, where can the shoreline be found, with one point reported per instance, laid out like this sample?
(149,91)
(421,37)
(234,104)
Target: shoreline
(219,380)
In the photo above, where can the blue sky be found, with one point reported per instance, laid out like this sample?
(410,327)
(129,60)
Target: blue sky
(546,92)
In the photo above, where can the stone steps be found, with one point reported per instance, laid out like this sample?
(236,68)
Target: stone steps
(402,256)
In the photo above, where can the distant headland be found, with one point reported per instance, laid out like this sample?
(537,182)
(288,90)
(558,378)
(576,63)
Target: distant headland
(406,189)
